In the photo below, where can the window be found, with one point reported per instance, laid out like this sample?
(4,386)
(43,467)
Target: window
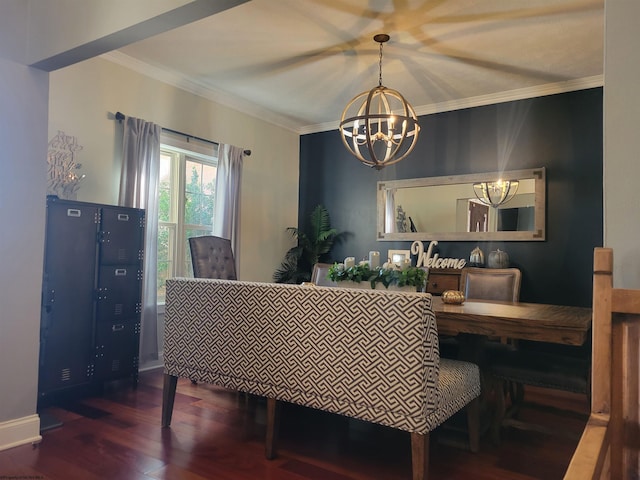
(185,205)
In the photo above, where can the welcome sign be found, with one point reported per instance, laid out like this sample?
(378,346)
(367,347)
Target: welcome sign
(430,260)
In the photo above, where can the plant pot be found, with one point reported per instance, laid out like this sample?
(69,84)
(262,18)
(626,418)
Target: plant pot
(379,286)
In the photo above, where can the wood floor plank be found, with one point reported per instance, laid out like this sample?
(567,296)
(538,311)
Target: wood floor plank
(219,434)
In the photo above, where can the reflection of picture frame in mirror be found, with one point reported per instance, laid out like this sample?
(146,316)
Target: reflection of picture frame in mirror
(398,256)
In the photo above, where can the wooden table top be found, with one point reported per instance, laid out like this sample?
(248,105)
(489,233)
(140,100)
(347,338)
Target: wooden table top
(526,321)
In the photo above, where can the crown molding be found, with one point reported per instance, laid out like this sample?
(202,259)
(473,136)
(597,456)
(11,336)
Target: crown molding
(221,97)
(224,98)
(489,99)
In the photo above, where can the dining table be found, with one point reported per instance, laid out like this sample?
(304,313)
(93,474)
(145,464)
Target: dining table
(475,321)
(568,325)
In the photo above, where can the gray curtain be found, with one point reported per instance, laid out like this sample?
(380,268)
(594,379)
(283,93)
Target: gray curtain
(226,215)
(139,188)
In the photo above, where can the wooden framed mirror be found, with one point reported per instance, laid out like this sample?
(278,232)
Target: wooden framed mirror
(446,208)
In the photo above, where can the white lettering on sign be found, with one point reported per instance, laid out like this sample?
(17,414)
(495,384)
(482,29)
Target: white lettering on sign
(431,260)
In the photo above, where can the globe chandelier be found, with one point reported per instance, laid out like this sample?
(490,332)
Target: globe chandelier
(495,193)
(379,127)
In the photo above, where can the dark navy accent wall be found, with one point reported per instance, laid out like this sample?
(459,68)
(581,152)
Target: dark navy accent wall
(560,132)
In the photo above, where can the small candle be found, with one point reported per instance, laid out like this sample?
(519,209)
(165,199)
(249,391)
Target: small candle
(374,260)
(349,262)
(406,263)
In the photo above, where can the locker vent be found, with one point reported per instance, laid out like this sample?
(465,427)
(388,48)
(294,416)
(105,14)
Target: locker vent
(122,254)
(118,309)
(65,374)
(115,365)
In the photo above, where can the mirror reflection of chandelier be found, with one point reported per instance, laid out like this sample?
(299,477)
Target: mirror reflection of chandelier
(495,193)
(379,127)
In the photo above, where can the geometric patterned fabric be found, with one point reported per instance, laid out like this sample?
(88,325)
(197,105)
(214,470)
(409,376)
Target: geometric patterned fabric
(367,354)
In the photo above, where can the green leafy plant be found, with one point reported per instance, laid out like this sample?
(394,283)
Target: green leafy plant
(314,244)
(401,277)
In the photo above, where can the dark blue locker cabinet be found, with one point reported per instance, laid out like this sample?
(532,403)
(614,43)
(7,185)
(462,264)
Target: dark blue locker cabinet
(92,288)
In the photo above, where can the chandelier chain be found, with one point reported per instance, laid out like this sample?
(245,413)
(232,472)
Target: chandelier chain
(380,67)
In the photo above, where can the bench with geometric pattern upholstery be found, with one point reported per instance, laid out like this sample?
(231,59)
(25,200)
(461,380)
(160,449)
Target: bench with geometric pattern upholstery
(366,354)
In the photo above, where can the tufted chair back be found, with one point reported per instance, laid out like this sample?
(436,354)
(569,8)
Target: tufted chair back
(212,257)
(499,284)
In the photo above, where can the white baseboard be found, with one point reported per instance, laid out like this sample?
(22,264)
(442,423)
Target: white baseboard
(20,432)
(153,364)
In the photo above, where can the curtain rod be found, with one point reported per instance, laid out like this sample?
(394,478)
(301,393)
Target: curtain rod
(120,117)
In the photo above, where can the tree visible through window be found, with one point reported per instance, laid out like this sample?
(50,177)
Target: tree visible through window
(185,209)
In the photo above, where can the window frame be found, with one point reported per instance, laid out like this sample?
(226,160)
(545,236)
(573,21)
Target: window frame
(181,153)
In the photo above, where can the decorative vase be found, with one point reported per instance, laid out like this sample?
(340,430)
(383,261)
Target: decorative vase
(476,259)
(455,297)
(498,259)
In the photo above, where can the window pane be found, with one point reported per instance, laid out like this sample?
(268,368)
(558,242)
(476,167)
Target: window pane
(166,241)
(185,209)
(199,191)
(198,209)
(164,188)
(209,179)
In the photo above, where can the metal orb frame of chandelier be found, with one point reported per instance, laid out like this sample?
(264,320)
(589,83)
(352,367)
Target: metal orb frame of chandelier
(379,127)
(495,193)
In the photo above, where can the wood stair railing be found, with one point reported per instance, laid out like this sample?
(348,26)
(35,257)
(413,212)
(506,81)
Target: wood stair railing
(609,445)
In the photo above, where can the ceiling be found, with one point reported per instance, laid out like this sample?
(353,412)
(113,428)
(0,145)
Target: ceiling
(297,63)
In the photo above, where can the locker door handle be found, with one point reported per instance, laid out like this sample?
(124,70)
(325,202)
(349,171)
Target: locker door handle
(117,328)
(121,272)
(123,217)
(73,212)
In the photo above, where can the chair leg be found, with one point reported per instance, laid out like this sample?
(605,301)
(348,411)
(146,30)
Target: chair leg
(500,409)
(473,424)
(272,428)
(168,397)
(420,455)
(517,399)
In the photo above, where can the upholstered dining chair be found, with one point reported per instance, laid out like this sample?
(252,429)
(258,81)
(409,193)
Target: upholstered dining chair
(499,284)
(319,275)
(212,257)
(513,366)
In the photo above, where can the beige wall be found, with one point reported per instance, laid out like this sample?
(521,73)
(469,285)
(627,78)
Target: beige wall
(23,103)
(621,140)
(83,99)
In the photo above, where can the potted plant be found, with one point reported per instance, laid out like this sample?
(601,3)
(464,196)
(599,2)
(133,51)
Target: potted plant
(389,275)
(314,244)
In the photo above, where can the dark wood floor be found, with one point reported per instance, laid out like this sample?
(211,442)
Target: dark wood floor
(217,434)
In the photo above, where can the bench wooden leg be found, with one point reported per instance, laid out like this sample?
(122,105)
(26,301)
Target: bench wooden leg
(168,397)
(272,427)
(420,455)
